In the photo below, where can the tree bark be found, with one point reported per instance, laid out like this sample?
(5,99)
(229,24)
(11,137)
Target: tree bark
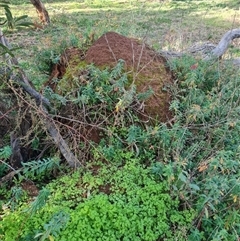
(42,12)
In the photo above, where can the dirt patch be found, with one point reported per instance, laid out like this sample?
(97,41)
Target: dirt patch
(70,57)
(145,68)
(30,188)
(144,65)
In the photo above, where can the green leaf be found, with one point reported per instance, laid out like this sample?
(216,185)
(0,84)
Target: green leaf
(3,22)
(206,212)
(4,6)
(194,187)
(20,18)
(39,202)
(5,152)
(24,24)
(8,14)
(182,177)
(7,50)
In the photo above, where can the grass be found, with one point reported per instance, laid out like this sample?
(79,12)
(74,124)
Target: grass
(172,25)
(142,18)
(199,154)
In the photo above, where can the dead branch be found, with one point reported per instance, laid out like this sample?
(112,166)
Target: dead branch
(196,49)
(43,102)
(207,50)
(9,176)
(222,46)
(59,141)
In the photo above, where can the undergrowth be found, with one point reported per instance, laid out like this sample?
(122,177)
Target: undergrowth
(147,182)
(175,181)
(207,110)
(132,204)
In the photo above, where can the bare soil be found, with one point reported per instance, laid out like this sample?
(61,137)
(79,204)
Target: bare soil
(145,68)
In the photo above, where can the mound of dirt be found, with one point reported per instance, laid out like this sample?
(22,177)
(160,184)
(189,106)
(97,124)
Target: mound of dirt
(144,65)
(145,68)
(70,57)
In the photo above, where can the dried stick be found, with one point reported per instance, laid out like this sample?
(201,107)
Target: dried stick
(208,50)
(22,79)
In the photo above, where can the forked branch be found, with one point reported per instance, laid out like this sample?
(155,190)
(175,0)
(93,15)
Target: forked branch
(43,102)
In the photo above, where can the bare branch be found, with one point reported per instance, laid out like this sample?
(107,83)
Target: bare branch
(21,78)
(224,42)
(59,141)
(207,50)
(9,176)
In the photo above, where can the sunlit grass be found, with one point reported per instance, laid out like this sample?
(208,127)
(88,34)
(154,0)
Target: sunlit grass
(190,13)
(173,25)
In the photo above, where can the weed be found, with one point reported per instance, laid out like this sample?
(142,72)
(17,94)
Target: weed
(10,21)
(141,182)
(109,215)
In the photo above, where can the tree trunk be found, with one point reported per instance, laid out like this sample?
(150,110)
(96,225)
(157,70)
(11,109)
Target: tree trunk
(42,12)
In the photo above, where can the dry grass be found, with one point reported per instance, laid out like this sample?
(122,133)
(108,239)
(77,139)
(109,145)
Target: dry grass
(172,25)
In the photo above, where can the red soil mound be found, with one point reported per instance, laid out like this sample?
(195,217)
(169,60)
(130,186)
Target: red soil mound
(146,67)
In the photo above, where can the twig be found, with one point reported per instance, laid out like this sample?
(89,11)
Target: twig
(43,102)
(10,175)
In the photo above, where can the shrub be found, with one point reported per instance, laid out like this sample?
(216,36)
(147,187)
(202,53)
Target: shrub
(129,205)
(207,149)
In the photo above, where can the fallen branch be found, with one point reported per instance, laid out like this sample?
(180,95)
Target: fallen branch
(59,141)
(222,46)
(197,49)
(9,176)
(208,51)
(22,79)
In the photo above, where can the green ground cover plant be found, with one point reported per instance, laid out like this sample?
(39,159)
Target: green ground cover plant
(105,207)
(178,181)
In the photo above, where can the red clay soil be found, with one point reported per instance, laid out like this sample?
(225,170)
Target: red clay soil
(146,67)
(71,56)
